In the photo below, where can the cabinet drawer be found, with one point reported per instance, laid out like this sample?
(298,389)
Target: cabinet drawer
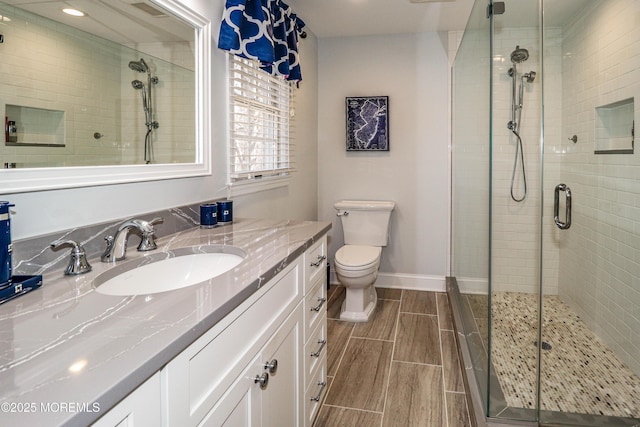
(315,394)
(315,350)
(200,375)
(315,261)
(315,307)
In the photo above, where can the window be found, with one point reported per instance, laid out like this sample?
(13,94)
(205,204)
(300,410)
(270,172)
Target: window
(260,123)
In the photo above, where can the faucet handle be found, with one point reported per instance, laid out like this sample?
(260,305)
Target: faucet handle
(107,256)
(78,263)
(157,220)
(148,241)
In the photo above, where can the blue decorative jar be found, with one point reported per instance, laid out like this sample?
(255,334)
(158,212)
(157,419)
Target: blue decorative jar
(5,244)
(225,211)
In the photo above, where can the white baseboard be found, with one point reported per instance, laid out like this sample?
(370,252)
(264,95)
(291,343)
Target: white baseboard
(416,282)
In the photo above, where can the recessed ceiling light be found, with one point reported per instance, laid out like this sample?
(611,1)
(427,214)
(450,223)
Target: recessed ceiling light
(73,12)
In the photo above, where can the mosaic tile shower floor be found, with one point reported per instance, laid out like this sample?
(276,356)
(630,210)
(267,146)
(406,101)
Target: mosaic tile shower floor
(579,373)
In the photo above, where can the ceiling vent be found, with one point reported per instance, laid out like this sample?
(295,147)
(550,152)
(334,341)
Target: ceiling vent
(150,10)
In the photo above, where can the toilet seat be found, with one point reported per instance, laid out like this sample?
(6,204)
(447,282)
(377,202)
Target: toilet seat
(358,257)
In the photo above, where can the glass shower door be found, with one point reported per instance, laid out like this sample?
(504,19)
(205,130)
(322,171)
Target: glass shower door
(590,358)
(471,164)
(516,206)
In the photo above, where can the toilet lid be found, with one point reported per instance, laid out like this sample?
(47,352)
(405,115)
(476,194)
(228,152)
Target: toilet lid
(357,257)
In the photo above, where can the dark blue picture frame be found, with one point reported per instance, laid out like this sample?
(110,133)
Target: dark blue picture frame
(367,123)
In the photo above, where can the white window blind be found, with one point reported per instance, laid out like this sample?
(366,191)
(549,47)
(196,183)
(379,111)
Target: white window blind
(261,115)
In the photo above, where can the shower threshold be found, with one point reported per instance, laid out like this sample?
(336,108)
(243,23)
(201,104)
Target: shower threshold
(474,359)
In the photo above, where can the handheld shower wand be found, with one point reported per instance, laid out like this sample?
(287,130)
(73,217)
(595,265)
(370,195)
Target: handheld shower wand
(138,85)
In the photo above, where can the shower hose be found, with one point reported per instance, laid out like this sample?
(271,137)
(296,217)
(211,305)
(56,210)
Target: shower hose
(520,156)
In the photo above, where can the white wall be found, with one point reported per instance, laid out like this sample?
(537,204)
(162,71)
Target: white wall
(43,212)
(413,71)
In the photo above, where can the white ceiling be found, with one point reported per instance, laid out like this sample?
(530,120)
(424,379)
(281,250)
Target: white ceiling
(342,18)
(115,20)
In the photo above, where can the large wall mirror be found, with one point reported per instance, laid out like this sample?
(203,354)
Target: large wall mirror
(117,94)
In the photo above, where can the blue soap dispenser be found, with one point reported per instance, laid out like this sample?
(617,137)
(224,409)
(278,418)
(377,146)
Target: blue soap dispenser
(5,244)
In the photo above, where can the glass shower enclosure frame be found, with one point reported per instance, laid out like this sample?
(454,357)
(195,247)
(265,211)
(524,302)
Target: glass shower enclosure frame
(546,210)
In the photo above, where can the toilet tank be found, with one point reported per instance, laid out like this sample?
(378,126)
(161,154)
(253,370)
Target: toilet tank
(365,222)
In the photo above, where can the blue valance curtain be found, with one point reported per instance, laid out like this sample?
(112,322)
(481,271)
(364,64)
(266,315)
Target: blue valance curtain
(263,30)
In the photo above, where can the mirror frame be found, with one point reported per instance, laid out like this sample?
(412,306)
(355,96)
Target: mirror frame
(36,179)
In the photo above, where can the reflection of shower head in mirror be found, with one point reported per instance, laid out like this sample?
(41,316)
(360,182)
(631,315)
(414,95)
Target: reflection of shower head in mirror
(139,66)
(147,103)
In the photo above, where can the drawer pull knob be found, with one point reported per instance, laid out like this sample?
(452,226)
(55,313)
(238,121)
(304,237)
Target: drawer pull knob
(271,366)
(322,344)
(263,380)
(320,259)
(321,300)
(322,385)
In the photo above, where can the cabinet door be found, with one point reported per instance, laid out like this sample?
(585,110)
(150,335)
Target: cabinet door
(282,398)
(241,404)
(268,393)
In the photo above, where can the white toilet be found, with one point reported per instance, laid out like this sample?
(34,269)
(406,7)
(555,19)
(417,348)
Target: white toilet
(365,225)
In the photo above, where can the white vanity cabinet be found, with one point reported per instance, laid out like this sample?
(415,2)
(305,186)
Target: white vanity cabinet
(223,378)
(263,365)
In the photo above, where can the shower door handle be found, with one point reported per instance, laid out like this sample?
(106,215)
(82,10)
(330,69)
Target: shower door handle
(556,207)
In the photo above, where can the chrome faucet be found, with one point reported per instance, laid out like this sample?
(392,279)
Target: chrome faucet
(117,245)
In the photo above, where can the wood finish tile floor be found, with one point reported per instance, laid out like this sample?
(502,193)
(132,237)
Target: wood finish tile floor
(400,369)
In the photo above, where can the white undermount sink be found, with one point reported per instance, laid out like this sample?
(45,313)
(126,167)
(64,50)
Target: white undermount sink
(170,270)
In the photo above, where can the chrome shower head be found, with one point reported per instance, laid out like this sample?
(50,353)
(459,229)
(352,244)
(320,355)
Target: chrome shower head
(139,66)
(519,55)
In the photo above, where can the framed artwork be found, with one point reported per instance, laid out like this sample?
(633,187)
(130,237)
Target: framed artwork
(367,123)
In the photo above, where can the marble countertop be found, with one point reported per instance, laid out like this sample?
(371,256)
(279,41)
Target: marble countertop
(66,347)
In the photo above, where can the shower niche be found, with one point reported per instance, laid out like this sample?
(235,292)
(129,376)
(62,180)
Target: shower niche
(36,126)
(615,128)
